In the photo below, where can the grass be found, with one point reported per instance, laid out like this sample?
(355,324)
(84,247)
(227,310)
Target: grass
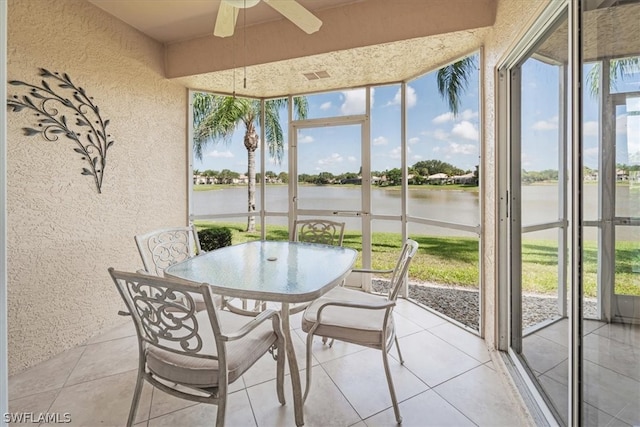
(454,260)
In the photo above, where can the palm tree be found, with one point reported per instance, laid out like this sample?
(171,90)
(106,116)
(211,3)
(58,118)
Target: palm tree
(618,69)
(453,80)
(217,117)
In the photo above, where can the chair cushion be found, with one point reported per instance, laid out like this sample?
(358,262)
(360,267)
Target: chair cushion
(241,354)
(355,325)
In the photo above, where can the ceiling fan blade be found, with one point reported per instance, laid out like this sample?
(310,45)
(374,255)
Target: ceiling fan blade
(297,14)
(226,20)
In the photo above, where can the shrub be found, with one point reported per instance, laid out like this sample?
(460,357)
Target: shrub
(214,238)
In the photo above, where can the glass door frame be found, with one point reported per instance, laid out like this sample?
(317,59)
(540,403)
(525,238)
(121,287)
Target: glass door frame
(365,209)
(509,221)
(611,306)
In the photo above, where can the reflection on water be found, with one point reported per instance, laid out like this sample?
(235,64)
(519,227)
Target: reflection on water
(539,204)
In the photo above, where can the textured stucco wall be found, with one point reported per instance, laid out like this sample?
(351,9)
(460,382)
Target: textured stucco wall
(513,18)
(62,234)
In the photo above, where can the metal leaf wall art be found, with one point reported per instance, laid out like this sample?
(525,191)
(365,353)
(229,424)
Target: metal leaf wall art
(64,109)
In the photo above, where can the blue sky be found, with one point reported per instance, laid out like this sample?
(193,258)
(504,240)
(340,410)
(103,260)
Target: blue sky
(433,132)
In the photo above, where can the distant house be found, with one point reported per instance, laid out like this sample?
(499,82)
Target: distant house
(438,178)
(468,178)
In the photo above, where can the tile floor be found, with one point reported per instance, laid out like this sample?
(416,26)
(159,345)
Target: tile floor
(611,370)
(448,378)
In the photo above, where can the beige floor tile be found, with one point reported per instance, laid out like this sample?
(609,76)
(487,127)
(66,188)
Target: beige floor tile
(432,359)
(482,396)
(238,413)
(611,354)
(424,410)
(362,380)
(542,354)
(263,370)
(322,352)
(105,401)
(466,341)
(621,332)
(35,405)
(405,326)
(104,359)
(417,314)
(163,403)
(48,375)
(328,408)
(612,392)
(125,328)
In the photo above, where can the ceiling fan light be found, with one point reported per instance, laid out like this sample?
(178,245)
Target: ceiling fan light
(242,4)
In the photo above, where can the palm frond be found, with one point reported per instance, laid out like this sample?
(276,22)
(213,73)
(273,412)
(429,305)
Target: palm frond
(619,69)
(453,80)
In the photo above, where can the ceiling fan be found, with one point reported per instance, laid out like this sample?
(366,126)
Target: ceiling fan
(290,9)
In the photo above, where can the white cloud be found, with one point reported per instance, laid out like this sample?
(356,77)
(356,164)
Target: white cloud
(455,148)
(436,149)
(440,135)
(354,101)
(352,159)
(551,124)
(220,154)
(414,140)
(380,140)
(417,157)
(395,153)
(325,106)
(305,139)
(465,130)
(331,160)
(590,128)
(443,118)
(412,98)
(467,115)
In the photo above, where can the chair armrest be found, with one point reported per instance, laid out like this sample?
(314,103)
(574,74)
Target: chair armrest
(250,326)
(367,270)
(382,305)
(236,310)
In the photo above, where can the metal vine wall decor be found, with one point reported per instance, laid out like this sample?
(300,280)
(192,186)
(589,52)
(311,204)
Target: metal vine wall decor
(89,131)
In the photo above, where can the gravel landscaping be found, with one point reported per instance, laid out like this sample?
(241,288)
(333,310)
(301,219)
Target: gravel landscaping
(462,304)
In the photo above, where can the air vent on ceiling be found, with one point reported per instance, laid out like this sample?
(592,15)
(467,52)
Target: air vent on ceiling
(316,75)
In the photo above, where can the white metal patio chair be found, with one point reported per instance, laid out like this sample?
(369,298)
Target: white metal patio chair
(318,231)
(189,354)
(360,318)
(161,248)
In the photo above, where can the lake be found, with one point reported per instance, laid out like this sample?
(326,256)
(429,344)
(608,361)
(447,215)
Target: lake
(540,204)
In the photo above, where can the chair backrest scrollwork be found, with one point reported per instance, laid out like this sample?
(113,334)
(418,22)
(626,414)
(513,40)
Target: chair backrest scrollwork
(318,231)
(164,312)
(161,248)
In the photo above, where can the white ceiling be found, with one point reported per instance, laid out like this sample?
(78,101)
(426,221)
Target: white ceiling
(183,24)
(169,21)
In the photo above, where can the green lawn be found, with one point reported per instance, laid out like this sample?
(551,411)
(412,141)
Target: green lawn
(454,260)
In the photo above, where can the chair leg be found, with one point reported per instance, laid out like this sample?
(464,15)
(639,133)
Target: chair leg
(392,391)
(280,373)
(308,384)
(136,399)
(398,348)
(222,409)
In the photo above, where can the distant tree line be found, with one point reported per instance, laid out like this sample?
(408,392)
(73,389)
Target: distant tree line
(418,174)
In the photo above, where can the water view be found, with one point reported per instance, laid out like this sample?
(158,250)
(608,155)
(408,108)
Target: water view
(539,204)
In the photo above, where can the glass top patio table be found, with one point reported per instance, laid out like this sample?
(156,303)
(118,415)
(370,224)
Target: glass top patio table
(268,270)
(285,272)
